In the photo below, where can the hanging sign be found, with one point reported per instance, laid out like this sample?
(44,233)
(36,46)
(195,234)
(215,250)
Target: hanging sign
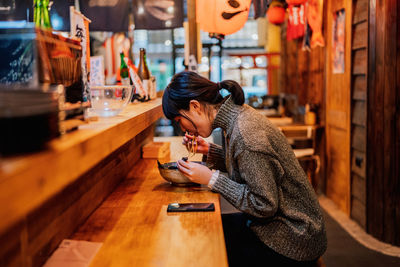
(296,22)
(107,15)
(158,14)
(314,19)
(97,70)
(338,39)
(80,30)
(222,16)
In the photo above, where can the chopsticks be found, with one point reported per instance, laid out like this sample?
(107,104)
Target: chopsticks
(191,145)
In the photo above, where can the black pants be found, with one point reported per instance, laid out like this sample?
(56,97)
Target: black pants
(246,250)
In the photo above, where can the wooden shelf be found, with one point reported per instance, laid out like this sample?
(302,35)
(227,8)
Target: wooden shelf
(28,181)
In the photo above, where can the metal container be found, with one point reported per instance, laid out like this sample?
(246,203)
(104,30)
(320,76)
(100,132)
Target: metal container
(28,119)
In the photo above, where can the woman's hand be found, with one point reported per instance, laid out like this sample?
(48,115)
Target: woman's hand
(202,145)
(196,172)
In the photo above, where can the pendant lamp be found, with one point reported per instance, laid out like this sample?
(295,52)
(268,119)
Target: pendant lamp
(222,16)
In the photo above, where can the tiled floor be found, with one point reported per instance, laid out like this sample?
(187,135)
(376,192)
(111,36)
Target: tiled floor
(343,250)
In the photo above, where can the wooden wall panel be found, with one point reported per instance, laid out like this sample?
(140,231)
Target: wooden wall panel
(303,75)
(338,169)
(360,11)
(359,87)
(383,178)
(338,106)
(360,35)
(358,212)
(359,188)
(360,63)
(358,162)
(359,113)
(358,138)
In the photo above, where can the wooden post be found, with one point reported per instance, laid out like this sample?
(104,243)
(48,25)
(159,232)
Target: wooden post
(193,37)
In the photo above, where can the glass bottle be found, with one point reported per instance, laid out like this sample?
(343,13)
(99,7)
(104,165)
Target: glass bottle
(144,73)
(45,14)
(35,11)
(41,15)
(124,71)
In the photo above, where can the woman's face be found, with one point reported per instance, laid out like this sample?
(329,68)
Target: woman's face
(197,122)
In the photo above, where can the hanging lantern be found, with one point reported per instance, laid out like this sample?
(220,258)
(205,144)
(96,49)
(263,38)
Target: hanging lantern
(222,16)
(295,2)
(276,13)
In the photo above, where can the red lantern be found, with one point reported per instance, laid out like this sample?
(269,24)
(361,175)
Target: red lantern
(222,16)
(276,15)
(295,2)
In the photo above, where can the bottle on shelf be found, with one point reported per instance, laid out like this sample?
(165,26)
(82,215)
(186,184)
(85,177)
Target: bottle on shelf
(124,71)
(41,15)
(144,73)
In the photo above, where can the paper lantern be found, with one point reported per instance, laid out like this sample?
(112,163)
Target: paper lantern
(276,15)
(296,2)
(222,16)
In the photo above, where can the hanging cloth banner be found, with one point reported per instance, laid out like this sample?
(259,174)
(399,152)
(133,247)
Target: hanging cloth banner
(260,8)
(80,30)
(314,19)
(221,16)
(110,15)
(11,10)
(158,14)
(296,22)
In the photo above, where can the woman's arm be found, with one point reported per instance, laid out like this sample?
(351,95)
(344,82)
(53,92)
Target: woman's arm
(215,158)
(258,196)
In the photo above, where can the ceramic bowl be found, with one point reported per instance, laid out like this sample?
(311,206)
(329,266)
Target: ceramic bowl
(170,172)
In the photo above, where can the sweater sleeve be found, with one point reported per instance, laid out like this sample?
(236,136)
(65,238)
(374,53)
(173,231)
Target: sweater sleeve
(258,195)
(215,158)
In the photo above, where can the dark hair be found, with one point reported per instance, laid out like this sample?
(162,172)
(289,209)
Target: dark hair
(186,86)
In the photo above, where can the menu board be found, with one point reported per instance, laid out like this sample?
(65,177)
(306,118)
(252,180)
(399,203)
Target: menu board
(18,56)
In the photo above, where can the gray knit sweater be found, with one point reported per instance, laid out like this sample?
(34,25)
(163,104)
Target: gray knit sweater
(260,176)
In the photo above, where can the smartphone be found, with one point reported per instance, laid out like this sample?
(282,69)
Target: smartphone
(182,207)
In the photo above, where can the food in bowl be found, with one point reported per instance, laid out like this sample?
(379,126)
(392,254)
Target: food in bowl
(170,172)
(110,100)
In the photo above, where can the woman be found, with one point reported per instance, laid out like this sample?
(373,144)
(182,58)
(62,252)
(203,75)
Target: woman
(281,223)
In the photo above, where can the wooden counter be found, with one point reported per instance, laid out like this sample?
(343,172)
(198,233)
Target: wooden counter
(44,196)
(136,229)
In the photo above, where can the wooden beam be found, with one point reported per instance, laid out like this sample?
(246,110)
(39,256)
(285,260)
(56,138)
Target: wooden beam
(193,37)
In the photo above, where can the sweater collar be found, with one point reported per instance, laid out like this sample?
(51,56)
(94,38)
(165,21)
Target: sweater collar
(226,115)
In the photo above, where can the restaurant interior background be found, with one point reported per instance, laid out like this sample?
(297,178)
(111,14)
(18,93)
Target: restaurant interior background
(327,73)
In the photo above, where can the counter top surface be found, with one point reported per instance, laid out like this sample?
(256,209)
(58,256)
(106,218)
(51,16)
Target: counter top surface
(27,181)
(136,229)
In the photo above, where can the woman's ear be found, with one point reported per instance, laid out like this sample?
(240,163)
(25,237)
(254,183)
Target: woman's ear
(195,106)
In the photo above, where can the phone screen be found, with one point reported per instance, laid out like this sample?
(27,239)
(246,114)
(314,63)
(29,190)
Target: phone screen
(181,207)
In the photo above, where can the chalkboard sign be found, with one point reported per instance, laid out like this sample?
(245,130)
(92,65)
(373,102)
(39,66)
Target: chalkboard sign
(18,56)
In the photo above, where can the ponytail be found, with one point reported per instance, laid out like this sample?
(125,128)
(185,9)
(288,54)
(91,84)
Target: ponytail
(235,89)
(187,85)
